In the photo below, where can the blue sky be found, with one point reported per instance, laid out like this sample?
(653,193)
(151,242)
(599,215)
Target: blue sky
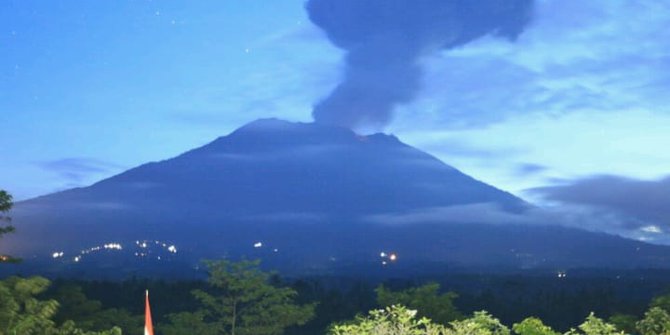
(89,89)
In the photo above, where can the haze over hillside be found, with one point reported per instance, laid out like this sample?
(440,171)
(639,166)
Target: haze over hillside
(312,197)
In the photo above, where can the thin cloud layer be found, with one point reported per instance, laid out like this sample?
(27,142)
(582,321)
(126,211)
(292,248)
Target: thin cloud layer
(575,57)
(77,169)
(488,213)
(641,206)
(529,169)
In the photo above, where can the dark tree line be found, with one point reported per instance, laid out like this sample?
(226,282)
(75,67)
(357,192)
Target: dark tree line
(6,203)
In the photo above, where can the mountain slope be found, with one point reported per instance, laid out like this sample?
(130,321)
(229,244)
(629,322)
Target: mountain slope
(273,166)
(315,196)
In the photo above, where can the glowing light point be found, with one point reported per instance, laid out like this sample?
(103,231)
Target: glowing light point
(258,244)
(115,246)
(393,257)
(172,249)
(382,254)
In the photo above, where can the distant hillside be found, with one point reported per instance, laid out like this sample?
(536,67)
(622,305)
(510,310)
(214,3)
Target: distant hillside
(308,197)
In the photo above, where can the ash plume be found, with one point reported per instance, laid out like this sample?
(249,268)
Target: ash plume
(384,40)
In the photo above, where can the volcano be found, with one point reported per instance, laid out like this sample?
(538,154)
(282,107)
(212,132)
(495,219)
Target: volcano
(308,197)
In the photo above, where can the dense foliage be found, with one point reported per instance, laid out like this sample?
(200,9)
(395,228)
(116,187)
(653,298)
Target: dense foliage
(398,320)
(239,299)
(425,299)
(6,204)
(656,322)
(533,326)
(394,320)
(22,312)
(90,314)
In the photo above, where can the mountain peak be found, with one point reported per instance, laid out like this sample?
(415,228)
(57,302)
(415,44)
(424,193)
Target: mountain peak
(274,134)
(310,131)
(268,124)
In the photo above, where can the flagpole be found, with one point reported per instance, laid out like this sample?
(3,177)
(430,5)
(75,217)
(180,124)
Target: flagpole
(148,325)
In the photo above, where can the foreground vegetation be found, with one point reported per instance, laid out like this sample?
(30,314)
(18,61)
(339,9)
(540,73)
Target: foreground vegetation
(398,320)
(239,298)
(21,312)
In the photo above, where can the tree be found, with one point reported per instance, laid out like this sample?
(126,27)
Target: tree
(393,320)
(661,301)
(595,326)
(6,203)
(533,326)
(481,323)
(241,301)
(187,323)
(399,320)
(624,322)
(90,314)
(21,312)
(656,322)
(69,328)
(426,299)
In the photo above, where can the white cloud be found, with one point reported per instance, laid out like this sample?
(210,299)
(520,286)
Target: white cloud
(578,56)
(621,143)
(580,93)
(652,229)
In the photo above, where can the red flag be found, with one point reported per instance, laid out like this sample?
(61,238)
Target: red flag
(148,326)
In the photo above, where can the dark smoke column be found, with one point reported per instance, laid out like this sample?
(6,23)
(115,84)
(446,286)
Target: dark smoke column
(384,40)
